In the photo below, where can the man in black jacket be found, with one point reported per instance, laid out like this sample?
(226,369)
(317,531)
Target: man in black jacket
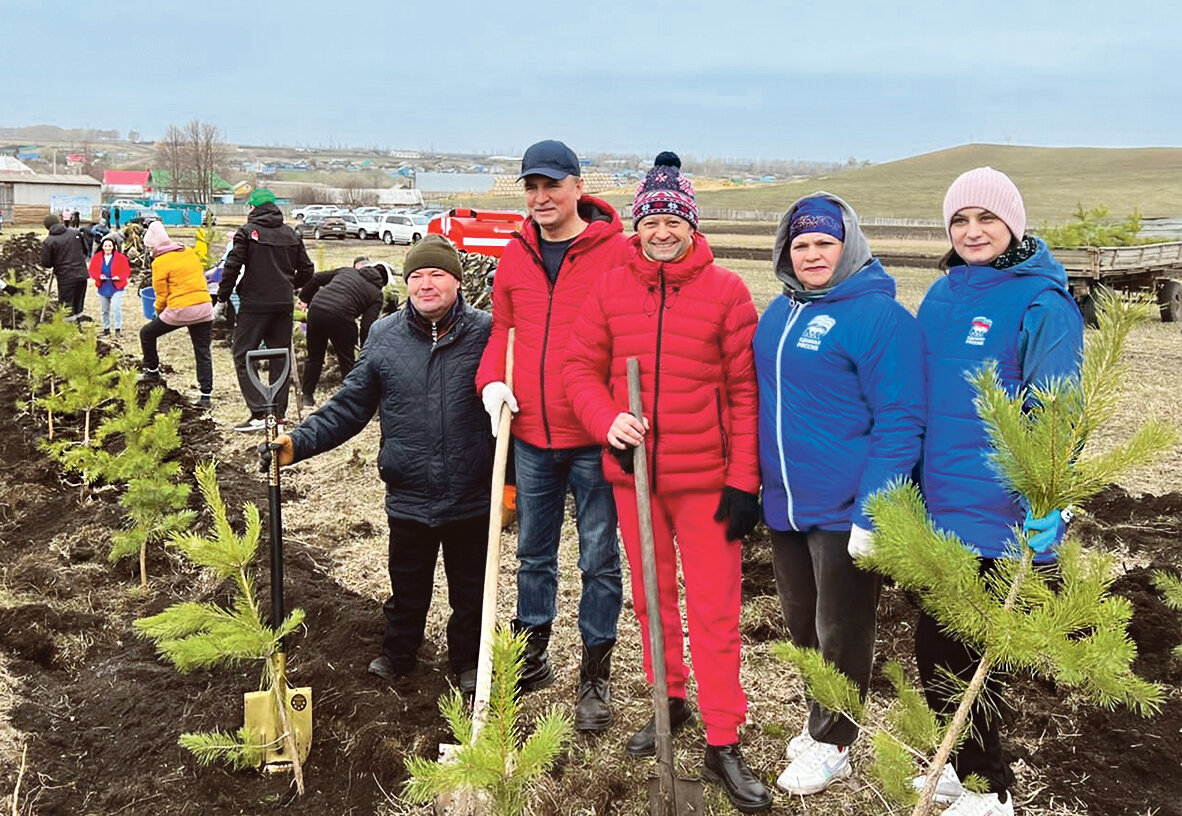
(334,300)
(276,265)
(417,371)
(65,253)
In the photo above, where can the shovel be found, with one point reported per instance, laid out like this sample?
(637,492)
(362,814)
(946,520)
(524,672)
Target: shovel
(668,795)
(466,802)
(285,729)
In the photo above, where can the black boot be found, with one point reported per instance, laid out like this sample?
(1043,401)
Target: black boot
(725,765)
(644,741)
(537,673)
(594,709)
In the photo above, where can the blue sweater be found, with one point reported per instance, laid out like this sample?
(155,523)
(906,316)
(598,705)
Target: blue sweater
(841,401)
(1024,319)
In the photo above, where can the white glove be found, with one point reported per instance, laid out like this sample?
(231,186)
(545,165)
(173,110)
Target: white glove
(861,543)
(494,395)
(219,312)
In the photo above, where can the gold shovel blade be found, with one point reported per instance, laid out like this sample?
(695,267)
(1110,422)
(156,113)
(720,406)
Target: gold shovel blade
(260,716)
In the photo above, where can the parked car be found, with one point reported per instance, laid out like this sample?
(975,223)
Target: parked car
(300,213)
(322,226)
(371,211)
(144,218)
(402,228)
(360,225)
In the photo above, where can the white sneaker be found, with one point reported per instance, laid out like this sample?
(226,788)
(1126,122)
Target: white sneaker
(817,767)
(980,804)
(800,743)
(948,788)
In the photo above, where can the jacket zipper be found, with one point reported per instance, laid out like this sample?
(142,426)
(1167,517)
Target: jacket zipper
(721,425)
(797,308)
(657,377)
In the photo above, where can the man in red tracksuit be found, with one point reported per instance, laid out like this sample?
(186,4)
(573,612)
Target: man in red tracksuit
(568,241)
(690,323)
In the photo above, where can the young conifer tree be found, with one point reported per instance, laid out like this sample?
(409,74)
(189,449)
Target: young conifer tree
(1065,626)
(193,635)
(497,764)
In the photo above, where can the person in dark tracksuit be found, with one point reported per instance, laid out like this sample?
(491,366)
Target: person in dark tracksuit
(276,264)
(64,251)
(334,301)
(417,372)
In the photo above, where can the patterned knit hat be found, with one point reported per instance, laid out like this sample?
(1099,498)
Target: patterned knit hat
(990,190)
(664,191)
(817,214)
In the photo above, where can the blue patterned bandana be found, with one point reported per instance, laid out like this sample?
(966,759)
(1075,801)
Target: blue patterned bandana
(817,215)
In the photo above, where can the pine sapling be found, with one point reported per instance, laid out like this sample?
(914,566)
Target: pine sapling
(1069,628)
(1170,586)
(193,635)
(497,764)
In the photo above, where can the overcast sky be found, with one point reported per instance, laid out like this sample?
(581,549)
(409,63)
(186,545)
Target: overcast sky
(793,80)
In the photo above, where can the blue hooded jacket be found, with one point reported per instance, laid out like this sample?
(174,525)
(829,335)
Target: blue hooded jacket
(1024,319)
(841,392)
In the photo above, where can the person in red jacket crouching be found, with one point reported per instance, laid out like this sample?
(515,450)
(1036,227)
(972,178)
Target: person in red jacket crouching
(690,323)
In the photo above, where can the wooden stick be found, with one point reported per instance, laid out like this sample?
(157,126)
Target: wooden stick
(492,561)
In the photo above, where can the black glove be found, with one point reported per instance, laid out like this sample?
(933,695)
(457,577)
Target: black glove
(741,511)
(264,450)
(625,457)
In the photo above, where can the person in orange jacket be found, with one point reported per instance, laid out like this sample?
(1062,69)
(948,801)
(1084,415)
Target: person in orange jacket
(110,270)
(182,300)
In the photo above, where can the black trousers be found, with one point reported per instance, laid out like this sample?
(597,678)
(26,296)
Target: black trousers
(72,294)
(831,605)
(200,335)
(324,328)
(254,330)
(937,652)
(414,548)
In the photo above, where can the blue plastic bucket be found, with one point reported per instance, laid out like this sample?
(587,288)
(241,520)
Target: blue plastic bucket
(148,300)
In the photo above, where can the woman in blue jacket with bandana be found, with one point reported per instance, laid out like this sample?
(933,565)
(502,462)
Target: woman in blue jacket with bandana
(841,405)
(1004,299)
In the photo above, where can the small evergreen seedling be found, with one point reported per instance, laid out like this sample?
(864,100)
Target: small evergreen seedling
(497,765)
(1170,586)
(1070,630)
(193,635)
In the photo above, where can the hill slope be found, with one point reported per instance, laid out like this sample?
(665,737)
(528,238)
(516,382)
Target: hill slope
(1052,179)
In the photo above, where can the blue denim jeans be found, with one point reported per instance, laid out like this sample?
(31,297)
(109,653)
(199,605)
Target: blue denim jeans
(543,476)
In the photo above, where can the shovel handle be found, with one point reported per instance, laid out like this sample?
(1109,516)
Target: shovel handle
(652,597)
(492,561)
(268,390)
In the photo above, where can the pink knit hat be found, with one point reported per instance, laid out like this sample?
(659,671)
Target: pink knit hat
(156,235)
(988,189)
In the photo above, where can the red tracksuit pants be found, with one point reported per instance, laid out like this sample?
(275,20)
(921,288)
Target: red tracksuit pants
(712,568)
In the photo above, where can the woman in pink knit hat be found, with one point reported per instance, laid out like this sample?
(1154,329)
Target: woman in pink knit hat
(1004,299)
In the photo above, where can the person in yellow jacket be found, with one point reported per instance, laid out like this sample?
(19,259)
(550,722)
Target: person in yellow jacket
(182,299)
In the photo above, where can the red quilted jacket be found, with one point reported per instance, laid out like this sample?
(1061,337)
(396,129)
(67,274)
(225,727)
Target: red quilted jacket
(690,324)
(542,313)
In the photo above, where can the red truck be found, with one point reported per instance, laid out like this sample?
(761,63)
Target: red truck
(485,232)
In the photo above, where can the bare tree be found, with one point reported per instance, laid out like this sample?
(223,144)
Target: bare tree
(207,155)
(171,154)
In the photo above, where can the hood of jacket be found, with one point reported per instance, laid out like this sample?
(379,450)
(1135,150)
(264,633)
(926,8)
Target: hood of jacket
(373,275)
(603,221)
(676,272)
(57,229)
(266,215)
(855,249)
(1040,264)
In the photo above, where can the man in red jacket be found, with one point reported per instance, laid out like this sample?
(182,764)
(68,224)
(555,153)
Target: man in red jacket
(690,324)
(566,243)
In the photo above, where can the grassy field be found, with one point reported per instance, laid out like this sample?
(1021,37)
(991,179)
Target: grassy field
(1053,181)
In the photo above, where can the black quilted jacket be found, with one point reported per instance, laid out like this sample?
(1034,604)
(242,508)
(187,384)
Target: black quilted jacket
(436,449)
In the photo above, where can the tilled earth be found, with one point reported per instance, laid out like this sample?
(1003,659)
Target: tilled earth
(100,713)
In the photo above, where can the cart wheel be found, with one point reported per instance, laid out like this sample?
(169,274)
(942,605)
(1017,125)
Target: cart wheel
(1169,298)
(1087,305)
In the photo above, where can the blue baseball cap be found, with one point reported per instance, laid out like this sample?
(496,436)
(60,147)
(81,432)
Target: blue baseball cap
(551,159)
